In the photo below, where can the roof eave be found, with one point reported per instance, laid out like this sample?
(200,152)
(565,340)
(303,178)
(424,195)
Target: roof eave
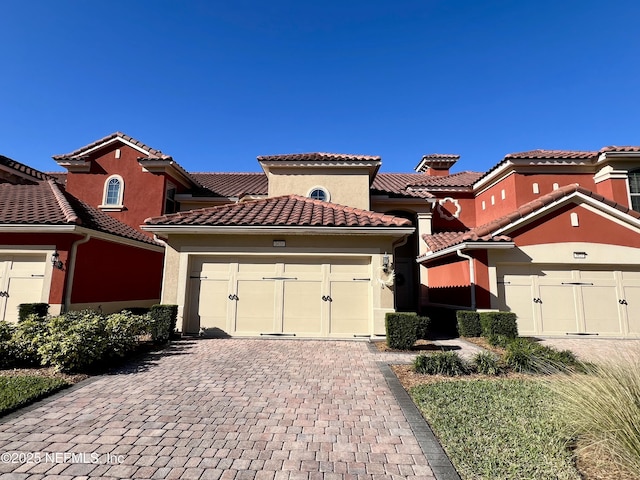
(427,257)
(280,230)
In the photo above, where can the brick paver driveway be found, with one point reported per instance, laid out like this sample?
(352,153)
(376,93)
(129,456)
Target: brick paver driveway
(230,409)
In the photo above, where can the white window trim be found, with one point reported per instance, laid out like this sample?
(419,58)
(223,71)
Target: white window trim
(319,187)
(112,207)
(632,194)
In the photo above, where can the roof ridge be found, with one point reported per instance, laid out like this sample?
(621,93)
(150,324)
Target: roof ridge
(153,152)
(69,214)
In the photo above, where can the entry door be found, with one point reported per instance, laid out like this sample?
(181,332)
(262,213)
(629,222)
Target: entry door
(21,281)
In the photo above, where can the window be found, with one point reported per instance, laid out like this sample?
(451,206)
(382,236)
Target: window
(170,204)
(634,189)
(319,193)
(113,193)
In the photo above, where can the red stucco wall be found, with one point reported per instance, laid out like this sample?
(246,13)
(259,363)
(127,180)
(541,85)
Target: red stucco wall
(109,272)
(615,189)
(143,191)
(593,228)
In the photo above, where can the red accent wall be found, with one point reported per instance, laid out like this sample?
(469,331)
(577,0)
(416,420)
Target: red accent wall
(593,228)
(143,191)
(500,207)
(110,272)
(60,241)
(449,284)
(466,218)
(614,189)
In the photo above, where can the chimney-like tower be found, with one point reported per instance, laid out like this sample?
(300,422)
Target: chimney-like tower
(437,164)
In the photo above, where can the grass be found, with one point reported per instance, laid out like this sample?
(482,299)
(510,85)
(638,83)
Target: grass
(498,429)
(18,391)
(602,409)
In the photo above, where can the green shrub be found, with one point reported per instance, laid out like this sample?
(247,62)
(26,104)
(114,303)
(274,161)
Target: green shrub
(603,408)
(7,357)
(499,323)
(520,355)
(423,328)
(123,331)
(163,322)
(18,391)
(442,363)
(401,330)
(526,355)
(486,363)
(75,341)
(28,335)
(468,323)
(26,309)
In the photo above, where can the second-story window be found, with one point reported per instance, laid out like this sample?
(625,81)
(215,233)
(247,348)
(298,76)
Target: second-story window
(113,192)
(170,204)
(634,189)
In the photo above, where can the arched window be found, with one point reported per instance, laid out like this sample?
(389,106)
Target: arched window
(113,193)
(319,193)
(634,189)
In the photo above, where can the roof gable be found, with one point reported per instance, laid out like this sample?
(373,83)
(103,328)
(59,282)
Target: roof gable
(145,150)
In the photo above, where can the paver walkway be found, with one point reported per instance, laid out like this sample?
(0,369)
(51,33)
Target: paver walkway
(230,409)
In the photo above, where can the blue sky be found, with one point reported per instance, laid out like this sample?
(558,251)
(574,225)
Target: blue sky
(215,84)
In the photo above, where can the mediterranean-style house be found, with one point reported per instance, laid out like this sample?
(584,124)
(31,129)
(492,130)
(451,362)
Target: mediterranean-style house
(323,245)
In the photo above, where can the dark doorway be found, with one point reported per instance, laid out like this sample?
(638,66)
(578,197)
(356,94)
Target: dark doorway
(406,269)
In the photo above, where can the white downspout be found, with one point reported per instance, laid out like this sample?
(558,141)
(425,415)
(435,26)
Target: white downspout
(72,270)
(472,277)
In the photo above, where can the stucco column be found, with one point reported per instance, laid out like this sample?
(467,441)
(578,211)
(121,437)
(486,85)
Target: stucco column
(424,228)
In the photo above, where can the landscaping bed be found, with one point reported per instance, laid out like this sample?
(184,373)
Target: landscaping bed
(19,390)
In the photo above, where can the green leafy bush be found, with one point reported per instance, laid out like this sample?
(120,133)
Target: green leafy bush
(163,322)
(499,323)
(486,363)
(6,346)
(28,336)
(468,323)
(123,331)
(499,341)
(75,341)
(442,363)
(403,329)
(27,309)
(526,355)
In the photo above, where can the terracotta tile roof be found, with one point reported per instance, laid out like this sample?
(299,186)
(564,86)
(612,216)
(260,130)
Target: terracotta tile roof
(22,168)
(440,156)
(44,203)
(317,157)
(417,184)
(485,233)
(552,155)
(614,148)
(59,177)
(231,184)
(153,153)
(290,210)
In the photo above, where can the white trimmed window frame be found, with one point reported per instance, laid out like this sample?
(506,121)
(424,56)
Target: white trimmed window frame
(632,184)
(112,207)
(318,188)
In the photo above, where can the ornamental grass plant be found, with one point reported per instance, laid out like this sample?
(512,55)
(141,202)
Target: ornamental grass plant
(602,408)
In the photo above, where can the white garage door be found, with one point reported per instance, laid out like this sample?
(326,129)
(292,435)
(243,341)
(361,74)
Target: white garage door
(591,300)
(21,281)
(267,296)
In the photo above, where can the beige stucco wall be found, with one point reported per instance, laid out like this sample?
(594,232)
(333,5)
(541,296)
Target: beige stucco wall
(346,186)
(182,249)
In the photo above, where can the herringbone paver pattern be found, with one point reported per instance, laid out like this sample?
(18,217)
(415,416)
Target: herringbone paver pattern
(224,409)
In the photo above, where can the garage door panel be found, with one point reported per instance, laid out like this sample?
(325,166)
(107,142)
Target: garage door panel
(213,303)
(519,299)
(349,308)
(21,290)
(255,306)
(632,297)
(558,307)
(302,307)
(601,309)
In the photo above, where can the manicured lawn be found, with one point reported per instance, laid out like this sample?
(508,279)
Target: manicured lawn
(17,391)
(498,429)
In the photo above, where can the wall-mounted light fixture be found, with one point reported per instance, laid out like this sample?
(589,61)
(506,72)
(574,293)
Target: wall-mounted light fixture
(279,243)
(385,263)
(580,255)
(55,260)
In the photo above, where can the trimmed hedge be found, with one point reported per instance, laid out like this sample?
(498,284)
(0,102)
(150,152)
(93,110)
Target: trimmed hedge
(163,322)
(27,309)
(403,329)
(468,323)
(499,323)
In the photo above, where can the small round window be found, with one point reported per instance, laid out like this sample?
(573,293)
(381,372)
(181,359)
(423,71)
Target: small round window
(319,193)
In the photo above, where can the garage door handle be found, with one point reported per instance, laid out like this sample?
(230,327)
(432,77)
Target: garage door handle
(537,300)
(233,297)
(4,294)
(622,302)
(327,298)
